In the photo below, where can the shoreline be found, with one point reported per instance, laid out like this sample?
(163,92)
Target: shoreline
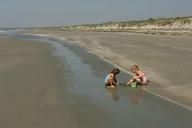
(165,94)
(147,89)
(31,80)
(160,32)
(60,84)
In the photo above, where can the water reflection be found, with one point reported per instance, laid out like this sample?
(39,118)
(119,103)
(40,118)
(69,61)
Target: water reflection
(113,93)
(134,95)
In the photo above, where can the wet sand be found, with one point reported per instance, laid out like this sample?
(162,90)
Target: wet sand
(166,59)
(30,80)
(59,84)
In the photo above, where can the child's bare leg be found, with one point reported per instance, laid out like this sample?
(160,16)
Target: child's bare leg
(112,86)
(138,81)
(145,81)
(142,82)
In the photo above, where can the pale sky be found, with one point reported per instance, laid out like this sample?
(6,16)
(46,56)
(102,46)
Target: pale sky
(29,13)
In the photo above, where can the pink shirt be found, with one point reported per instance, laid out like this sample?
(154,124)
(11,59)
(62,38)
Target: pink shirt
(140,74)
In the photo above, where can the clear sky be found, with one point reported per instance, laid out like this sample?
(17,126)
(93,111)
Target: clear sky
(28,13)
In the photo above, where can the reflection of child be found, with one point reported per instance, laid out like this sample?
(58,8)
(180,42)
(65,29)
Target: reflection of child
(138,76)
(113,94)
(110,80)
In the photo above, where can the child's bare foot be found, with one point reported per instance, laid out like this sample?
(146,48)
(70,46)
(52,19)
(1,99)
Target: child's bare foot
(111,87)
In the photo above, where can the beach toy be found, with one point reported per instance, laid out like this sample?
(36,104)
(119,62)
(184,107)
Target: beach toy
(134,85)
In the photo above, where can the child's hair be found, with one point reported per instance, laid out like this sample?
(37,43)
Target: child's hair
(134,67)
(115,71)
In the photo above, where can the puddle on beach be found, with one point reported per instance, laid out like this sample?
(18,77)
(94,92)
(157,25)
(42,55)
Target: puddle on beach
(95,106)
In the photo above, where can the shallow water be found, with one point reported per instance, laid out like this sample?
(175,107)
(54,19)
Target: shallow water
(95,106)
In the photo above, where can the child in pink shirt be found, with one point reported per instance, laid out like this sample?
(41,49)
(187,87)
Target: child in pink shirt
(138,76)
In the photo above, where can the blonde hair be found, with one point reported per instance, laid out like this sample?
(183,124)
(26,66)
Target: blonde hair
(134,67)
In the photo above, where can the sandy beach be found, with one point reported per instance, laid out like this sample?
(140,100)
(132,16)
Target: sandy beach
(30,80)
(58,58)
(166,59)
(46,82)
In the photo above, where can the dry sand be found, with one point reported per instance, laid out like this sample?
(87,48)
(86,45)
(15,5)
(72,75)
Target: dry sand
(166,59)
(29,87)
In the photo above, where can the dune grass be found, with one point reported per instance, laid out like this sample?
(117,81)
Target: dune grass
(158,22)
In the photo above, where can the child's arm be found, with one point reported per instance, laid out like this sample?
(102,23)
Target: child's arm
(114,81)
(130,81)
(111,81)
(140,74)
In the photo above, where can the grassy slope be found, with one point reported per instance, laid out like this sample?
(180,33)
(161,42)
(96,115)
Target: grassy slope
(160,23)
